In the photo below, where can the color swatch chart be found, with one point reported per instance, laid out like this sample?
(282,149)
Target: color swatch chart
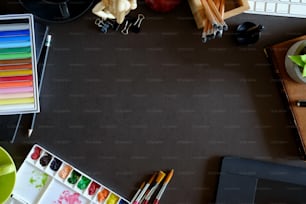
(45,178)
(18,71)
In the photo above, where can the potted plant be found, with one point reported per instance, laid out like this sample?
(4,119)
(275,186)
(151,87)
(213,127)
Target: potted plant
(296,61)
(300,60)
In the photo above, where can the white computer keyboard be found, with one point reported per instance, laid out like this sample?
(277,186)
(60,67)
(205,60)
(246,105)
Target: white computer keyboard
(287,8)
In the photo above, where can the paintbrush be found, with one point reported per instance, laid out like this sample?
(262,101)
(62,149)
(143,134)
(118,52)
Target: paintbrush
(158,180)
(163,188)
(143,191)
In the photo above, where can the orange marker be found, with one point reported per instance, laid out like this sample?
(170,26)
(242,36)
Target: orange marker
(163,188)
(10,84)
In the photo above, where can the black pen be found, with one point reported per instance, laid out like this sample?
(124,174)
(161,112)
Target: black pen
(301,103)
(47,44)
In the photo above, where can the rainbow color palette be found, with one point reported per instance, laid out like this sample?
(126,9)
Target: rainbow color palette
(18,68)
(45,178)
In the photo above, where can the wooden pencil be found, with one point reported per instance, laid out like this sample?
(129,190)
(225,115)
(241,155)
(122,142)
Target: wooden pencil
(216,13)
(209,13)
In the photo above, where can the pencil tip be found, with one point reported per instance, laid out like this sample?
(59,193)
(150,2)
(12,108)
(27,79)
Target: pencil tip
(30,132)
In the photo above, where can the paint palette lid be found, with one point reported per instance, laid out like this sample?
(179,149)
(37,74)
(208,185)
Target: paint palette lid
(18,66)
(45,178)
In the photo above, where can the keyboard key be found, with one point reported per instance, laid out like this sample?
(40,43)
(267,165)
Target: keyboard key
(298,9)
(270,7)
(282,8)
(286,8)
(260,6)
(251,5)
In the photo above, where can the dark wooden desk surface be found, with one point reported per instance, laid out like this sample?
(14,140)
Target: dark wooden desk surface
(120,107)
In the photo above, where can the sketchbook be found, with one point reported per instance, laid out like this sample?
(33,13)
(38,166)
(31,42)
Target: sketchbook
(291,90)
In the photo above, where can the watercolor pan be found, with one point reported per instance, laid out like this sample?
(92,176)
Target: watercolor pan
(18,65)
(45,178)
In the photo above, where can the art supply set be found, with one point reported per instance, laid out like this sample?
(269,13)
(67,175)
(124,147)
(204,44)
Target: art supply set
(147,189)
(18,68)
(45,178)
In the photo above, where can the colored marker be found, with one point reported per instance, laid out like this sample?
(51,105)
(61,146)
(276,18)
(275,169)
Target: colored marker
(11,84)
(10,56)
(14,27)
(14,32)
(15,44)
(18,66)
(163,188)
(158,180)
(16,90)
(16,107)
(15,73)
(138,191)
(17,95)
(15,38)
(16,78)
(15,50)
(16,61)
(141,194)
(16,101)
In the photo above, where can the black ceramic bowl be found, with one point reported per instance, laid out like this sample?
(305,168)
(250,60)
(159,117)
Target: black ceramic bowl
(248,33)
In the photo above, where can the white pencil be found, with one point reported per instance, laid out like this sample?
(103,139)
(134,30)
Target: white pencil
(47,44)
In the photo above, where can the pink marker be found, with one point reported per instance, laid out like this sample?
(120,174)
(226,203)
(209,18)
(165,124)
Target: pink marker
(16,95)
(16,90)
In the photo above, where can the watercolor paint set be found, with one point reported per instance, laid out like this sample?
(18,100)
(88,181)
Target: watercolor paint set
(45,178)
(18,67)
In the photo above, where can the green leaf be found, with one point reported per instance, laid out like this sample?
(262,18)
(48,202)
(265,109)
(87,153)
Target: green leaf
(297,60)
(304,71)
(303,58)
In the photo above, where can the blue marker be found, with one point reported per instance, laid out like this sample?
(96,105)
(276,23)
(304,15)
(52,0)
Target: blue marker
(15,44)
(14,39)
(14,33)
